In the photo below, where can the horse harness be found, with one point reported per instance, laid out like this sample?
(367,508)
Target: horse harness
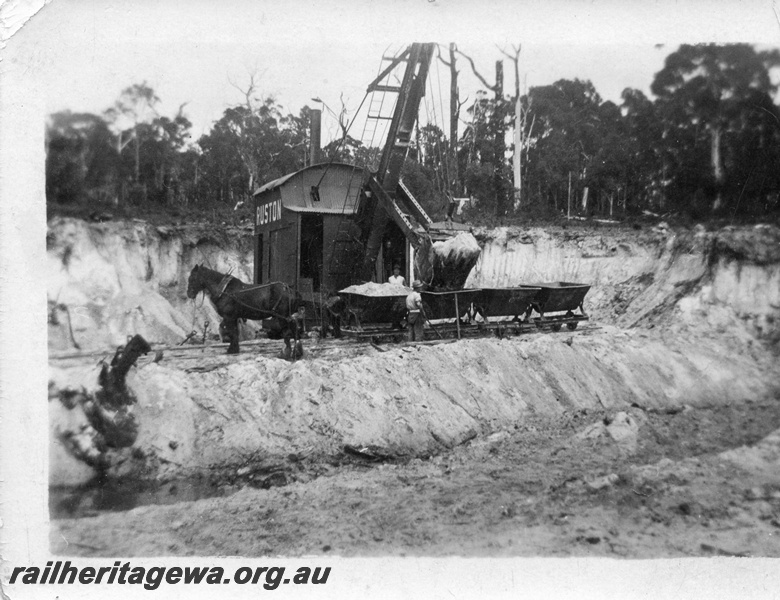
(223,285)
(222,290)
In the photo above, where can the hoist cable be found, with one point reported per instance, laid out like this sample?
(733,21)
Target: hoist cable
(442,151)
(362,141)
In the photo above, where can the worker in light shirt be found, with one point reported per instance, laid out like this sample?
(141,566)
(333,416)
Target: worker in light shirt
(396,278)
(416,317)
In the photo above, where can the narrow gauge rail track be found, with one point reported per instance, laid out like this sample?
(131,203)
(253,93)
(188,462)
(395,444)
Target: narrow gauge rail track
(353,344)
(447,329)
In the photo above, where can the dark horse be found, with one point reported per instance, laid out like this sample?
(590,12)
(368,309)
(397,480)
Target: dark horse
(233,299)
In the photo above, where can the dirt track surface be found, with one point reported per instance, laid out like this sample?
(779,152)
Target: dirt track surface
(698,482)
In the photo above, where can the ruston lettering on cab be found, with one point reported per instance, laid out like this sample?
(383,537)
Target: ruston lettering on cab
(269,212)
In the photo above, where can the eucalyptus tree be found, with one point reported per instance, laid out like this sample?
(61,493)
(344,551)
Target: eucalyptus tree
(649,162)
(716,103)
(81,159)
(564,142)
(250,145)
(164,154)
(136,106)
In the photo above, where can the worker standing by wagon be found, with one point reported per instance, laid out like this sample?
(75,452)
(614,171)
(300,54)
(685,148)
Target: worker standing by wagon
(416,318)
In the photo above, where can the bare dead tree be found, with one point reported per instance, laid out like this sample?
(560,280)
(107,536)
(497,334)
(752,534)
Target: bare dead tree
(498,143)
(180,112)
(250,101)
(455,107)
(492,88)
(249,93)
(343,120)
(519,126)
(515,58)
(343,116)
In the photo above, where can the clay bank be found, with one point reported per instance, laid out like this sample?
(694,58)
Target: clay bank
(682,321)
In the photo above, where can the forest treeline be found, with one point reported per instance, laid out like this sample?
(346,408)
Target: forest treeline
(707,143)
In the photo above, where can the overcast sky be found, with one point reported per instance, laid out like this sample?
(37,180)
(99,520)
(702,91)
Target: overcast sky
(188,51)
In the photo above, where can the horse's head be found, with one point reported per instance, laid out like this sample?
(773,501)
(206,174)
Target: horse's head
(194,283)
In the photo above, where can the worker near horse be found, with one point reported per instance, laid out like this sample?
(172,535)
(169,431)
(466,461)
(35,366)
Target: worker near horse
(396,278)
(299,327)
(416,317)
(334,308)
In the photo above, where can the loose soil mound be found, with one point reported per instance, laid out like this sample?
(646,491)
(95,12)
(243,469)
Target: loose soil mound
(377,289)
(409,401)
(545,487)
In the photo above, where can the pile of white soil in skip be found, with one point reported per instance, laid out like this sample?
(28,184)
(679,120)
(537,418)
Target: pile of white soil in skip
(446,264)
(377,289)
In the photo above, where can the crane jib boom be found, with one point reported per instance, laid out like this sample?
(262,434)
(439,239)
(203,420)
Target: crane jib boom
(405,115)
(412,89)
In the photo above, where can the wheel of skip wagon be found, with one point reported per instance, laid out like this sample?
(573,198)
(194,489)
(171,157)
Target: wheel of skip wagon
(555,326)
(571,326)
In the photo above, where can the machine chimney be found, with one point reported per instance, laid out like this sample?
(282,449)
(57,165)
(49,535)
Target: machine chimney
(316,133)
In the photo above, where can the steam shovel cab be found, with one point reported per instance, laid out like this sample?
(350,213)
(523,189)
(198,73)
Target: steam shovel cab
(310,231)
(328,226)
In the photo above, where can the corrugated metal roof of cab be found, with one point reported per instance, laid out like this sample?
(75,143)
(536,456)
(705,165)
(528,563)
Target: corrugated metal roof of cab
(323,211)
(283,179)
(275,183)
